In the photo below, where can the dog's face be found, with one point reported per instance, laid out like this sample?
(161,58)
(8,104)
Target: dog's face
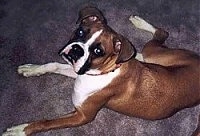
(94,47)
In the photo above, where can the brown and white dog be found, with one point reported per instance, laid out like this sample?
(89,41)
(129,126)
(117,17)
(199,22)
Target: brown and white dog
(152,85)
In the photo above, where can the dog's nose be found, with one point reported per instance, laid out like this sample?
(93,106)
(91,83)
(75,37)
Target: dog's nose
(77,51)
(74,53)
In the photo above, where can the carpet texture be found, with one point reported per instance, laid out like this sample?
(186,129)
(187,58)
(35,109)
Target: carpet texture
(33,31)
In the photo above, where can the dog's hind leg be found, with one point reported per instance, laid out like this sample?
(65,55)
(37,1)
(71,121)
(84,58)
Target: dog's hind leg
(28,70)
(154,45)
(154,50)
(159,35)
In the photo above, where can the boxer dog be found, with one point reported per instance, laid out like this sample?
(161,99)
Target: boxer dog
(152,85)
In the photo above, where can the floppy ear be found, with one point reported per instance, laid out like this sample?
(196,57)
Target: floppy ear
(124,48)
(89,15)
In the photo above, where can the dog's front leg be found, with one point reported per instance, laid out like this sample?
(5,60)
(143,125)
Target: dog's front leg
(74,119)
(82,115)
(28,70)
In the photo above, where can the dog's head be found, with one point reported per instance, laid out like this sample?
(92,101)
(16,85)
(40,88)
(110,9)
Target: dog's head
(94,47)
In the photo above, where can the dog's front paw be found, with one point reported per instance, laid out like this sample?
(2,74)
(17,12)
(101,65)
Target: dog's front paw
(28,70)
(16,131)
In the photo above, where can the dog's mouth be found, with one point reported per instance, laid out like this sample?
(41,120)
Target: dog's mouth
(68,58)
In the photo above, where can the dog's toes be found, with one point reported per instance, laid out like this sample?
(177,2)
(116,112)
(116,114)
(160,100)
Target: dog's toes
(137,21)
(16,131)
(135,18)
(28,70)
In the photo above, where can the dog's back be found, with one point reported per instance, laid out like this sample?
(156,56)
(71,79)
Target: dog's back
(168,80)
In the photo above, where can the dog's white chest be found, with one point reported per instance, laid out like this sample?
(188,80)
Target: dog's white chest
(86,85)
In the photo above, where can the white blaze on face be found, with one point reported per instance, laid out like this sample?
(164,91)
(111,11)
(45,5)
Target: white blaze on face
(85,47)
(93,38)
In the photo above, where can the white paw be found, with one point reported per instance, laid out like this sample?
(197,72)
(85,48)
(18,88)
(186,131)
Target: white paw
(15,131)
(28,70)
(142,24)
(138,22)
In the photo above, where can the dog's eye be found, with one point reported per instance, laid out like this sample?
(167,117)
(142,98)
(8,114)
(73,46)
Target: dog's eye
(80,32)
(98,51)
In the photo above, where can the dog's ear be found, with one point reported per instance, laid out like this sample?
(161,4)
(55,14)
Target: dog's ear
(90,15)
(124,48)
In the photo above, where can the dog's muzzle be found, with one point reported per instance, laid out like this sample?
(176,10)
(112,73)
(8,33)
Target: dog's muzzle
(73,53)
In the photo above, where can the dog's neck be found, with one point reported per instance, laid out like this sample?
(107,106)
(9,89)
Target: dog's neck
(105,72)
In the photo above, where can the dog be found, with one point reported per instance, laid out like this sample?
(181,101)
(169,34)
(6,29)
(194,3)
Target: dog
(152,85)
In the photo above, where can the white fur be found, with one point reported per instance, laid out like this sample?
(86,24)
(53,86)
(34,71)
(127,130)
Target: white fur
(16,131)
(28,70)
(139,57)
(142,24)
(86,85)
(94,37)
(93,72)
